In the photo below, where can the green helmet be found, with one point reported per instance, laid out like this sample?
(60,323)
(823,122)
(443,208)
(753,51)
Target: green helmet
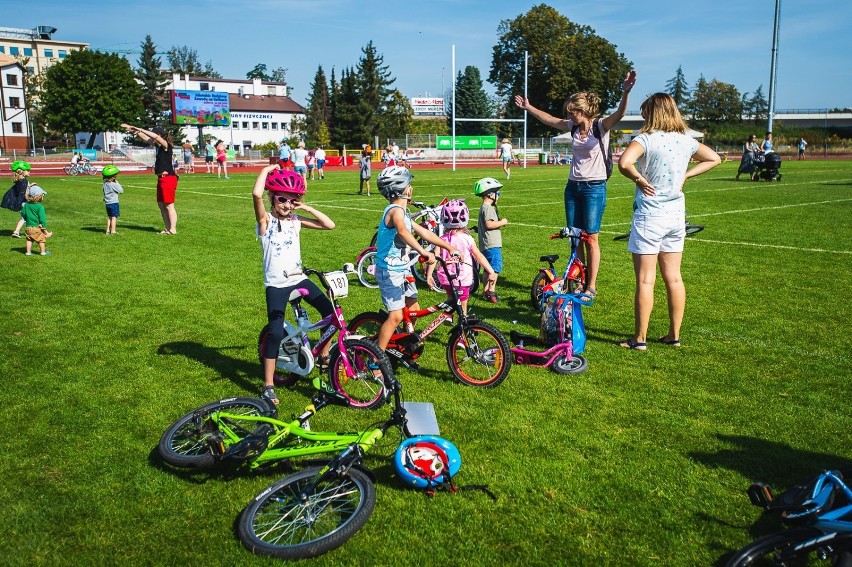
(110,171)
(485,186)
(16,165)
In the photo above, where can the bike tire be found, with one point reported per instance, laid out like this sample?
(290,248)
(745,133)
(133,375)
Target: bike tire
(693,228)
(367,324)
(491,361)
(363,390)
(537,289)
(68,169)
(286,379)
(577,364)
(285,523)
(367,262)
(184,443)
(91,170)
(767,549)
(624,236)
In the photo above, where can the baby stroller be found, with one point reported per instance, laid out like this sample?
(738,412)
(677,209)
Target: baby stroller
(766,167)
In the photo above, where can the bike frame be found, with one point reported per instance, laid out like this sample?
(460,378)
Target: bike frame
(541,359)
(574,269)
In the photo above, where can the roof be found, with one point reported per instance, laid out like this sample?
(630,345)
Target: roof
(6,60)
(238,81)
(264,103)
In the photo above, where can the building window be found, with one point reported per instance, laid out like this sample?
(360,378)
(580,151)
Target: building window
(30,70)
(275,125)
(245,125)
(283,125)
(28,52)
(264,126)
(11,80)
(62,53)
(255,125)
(14,51)
(2,49)
(236,125)
(48,53)
(17,128)
(205,86)
(270,90)
(14,102)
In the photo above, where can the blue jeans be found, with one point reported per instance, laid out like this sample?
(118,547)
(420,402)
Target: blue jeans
(585,202)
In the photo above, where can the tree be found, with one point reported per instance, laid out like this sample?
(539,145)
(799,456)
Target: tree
(564,58)
(279,74)
(155,100)
(678,88)
(318,111)
(346,124)
(398,116)
(714,102)
(91,91)
(758,105)
(471,102)
(259,72)
(373,87)
(184,60)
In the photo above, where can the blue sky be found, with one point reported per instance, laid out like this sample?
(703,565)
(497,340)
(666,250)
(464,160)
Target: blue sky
(730,40)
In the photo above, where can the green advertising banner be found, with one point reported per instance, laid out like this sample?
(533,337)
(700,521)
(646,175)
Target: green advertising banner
(467,142)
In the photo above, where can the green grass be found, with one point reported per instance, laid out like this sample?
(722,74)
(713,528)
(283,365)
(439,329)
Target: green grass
(643,460)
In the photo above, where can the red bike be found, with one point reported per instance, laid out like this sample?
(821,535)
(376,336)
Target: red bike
(573,279)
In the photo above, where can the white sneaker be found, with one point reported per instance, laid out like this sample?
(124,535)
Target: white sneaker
(46,253)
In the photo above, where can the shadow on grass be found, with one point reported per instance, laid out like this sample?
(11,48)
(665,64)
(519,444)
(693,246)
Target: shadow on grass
(223,471)
(244,374)
(121,226)
(777,464)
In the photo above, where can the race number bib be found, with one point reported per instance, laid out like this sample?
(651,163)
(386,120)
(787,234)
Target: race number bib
(338,283)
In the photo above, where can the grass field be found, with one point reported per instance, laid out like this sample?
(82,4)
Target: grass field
(643,460)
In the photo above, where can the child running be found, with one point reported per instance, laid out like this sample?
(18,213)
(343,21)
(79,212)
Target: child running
(393,245)
(16,196)
(454,217)
(112,189)
(490,239)
(36,220)
(278,230)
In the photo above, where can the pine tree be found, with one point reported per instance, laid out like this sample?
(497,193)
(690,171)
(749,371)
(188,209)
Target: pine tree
(678,88)
(318,110)
(155,100)
(471,102)
(373,86)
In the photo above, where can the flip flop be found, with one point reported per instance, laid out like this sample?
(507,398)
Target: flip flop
(665,341)
(632,346)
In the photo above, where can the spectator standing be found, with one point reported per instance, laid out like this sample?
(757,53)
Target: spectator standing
(767,145)
(585,193)
(747,161)
(320,155)
(506,155)
(284,154)
(299,157)
(187,157)
(310,161)
(802,145)
(221,160)
(209,154)
(364,173)
(167,179)
(16,196)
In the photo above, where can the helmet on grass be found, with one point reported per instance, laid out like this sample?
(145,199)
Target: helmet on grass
(455,214)
(110,171)
(285,181)
(393,181)
(20,165)
(486,186)
(426,461)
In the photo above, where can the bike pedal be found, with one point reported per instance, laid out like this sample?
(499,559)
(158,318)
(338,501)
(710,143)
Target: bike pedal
(760,494)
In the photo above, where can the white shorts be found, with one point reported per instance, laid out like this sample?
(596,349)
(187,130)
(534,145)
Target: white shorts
(655,234)
(395,287)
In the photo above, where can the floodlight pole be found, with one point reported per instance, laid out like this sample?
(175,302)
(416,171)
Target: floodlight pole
(453,82)
(526,79)
(776,30)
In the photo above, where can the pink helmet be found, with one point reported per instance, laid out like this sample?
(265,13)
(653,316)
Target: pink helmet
(455,214)
(285,181)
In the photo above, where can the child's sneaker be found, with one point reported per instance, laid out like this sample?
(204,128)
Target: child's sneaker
(28,253)
(46,253)
(490,296)
(16,235)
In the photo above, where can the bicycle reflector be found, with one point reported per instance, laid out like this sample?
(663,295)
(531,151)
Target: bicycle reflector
(426,461)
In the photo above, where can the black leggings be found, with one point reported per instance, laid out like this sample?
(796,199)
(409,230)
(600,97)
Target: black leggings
(276,302)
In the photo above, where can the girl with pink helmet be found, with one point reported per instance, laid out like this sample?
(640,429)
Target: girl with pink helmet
(454,217)
(279,232)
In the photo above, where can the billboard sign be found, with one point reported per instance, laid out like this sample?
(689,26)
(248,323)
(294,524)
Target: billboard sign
(206,108)
(467,142)
(427,106)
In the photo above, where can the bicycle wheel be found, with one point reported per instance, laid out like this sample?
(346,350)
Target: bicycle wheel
(363,390)
(68,169)
(768,550)
(367,270)
(624,236)
(537,289)
(91,170)
(289,521)
(419,268)
(577,364)
(185,442)
(693,228)
(286,379)
(479,357)
(367,324)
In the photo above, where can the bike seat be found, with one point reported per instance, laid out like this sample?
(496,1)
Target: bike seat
(550,259)
(521,338)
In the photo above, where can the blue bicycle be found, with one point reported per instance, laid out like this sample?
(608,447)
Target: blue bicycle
(820,513)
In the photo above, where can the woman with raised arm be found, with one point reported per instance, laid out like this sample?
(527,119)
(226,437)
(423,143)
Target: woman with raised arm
(662,151)
(585,193)
(167,179)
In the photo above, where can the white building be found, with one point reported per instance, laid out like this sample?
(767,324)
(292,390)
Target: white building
(14,122)
(36,46)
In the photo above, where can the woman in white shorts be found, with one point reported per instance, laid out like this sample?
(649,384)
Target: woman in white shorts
(662,151)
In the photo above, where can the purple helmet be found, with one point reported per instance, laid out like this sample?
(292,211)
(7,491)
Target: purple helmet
(455,214)
(285,181)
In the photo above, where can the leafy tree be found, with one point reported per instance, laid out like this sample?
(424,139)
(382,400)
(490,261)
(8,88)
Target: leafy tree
(259,72)
(318,111)
(759,106)
(184,60)
(155,100)
(322,137)
(399,116)
(471,102)
(678,88)
(279,74)
(91,91)
(564,58)
(714,102)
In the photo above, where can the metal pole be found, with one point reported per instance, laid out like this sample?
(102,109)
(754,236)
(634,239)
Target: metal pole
(776,30)
(526,73)
(452,79)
